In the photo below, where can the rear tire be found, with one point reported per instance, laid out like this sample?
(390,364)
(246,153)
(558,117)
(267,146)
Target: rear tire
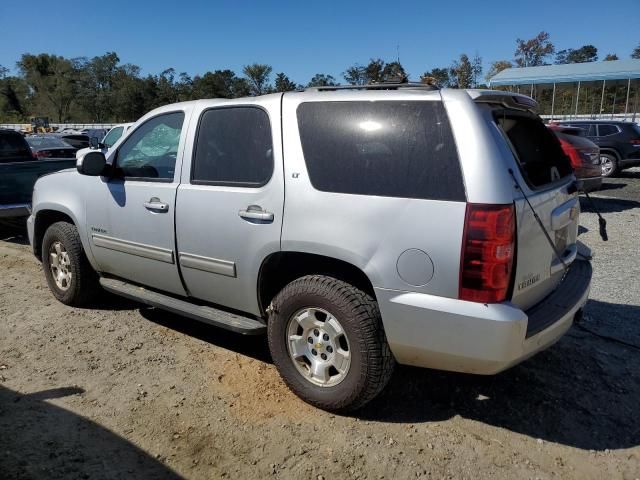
(328,344)
(66,268)
(609,164)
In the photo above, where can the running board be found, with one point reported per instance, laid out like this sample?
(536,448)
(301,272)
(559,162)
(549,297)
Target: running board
(212,316)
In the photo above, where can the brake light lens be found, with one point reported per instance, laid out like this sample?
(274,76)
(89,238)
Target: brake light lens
(635,141)
(488,245)
(43,154)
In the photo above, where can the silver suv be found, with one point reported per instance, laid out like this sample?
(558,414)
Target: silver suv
(357,227)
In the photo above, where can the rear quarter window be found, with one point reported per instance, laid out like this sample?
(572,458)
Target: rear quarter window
(386,148)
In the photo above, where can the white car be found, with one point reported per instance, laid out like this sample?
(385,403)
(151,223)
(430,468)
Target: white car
(115,134)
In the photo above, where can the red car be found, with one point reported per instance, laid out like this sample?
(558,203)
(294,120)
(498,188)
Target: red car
(583,154)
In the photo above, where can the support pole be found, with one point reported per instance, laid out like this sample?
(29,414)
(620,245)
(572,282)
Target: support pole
(531,91)
(635,103)
(602,98)
(553,99)
(577,99)
(626,105)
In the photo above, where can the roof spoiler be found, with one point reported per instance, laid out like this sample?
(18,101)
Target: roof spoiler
(509,100)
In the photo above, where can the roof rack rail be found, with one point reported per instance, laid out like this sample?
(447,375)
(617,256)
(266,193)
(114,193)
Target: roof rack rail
(375,86)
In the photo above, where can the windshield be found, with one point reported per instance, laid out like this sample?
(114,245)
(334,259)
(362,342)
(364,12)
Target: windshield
(47,142)
(112,137)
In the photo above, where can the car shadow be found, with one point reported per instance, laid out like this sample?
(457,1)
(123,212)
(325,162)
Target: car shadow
(607,205)
(14,230)
(581,392)
(611,186)
(254,346)
(40,440)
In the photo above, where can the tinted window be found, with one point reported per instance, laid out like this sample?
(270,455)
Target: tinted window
(233,147)
(150,151)
(537,149)
(604,130)
(47,142)
(13,147)
(588,129)
(393,149)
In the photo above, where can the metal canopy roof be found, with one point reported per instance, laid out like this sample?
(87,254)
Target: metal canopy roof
(572,72)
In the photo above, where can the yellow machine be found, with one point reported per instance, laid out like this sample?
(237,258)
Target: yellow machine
(37,125)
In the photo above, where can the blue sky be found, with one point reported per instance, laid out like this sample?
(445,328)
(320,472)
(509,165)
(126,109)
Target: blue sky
(303,38)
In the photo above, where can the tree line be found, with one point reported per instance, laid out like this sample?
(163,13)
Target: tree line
(102,89)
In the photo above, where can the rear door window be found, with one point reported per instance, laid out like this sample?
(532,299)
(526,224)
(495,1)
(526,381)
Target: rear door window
(393,149)
(605,130)
(536,148)
(234,147)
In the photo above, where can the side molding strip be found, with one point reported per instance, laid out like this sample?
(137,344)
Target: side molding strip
(206,264)
(133,248)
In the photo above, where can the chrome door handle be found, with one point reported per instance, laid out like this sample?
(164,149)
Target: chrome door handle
(155,205)
(256,214)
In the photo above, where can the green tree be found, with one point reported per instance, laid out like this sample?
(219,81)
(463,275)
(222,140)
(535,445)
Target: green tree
(95,85)
(476,70)
(284,84)
(586,53)
(374,71)
(496,67)
(636,52)
(394,71)
(439,75)
(220,84)
(52,79)
(533,52)
(461,72)
(13,97)
(355,75)
(322,80)
(610,57)
(258,76)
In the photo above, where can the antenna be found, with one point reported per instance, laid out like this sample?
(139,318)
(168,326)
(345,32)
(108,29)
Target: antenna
(398,53)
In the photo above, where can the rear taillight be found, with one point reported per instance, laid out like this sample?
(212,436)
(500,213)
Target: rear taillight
(488,247)
(635,141)
(43,154)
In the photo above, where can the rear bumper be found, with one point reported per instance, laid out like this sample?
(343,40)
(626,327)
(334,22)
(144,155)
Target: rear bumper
(449,334)
(15,210)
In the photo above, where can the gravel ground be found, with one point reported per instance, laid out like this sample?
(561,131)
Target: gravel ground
(123,391)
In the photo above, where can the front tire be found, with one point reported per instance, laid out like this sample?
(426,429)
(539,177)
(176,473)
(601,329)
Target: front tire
(66,268)
(609,164)
(328,344)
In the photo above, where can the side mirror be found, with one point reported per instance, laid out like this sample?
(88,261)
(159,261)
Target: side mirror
(91,163)
(94,143)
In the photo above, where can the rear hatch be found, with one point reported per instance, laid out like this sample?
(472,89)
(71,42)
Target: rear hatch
(546,179)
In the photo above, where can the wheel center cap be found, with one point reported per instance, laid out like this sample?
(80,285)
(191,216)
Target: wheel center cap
(318,345)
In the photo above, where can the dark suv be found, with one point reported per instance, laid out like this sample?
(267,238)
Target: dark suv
(619,143)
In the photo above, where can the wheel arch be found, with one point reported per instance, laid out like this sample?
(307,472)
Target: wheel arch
(611,151)
(281,268)
(47,216)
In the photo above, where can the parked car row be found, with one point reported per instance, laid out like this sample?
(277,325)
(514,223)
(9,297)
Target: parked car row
(619,142)
(23,159)
(583,154)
